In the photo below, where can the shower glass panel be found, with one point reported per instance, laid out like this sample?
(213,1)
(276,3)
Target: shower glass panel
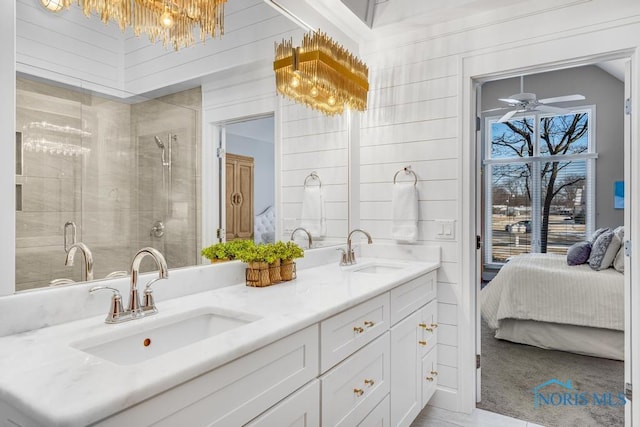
(95,161)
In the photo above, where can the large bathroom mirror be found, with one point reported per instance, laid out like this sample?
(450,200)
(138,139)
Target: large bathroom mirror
(109,157)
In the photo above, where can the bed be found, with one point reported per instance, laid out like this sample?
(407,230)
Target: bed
(264,226)
(537,299)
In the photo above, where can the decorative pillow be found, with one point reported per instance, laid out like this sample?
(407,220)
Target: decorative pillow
(619,232)
(618,261)
(597,234)
(604,250)
(579,253)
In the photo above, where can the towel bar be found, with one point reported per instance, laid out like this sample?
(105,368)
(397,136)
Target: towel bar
(408,171)
(313,176)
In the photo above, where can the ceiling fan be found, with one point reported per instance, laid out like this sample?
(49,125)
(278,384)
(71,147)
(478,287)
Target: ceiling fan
(524,101)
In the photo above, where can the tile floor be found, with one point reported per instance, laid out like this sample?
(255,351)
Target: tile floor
(436,417)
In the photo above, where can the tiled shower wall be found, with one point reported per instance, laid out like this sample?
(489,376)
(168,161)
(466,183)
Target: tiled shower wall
(93,161)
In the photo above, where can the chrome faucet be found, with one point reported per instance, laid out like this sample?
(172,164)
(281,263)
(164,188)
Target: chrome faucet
(148,306)
(306,231)
(349,257)
(134,310)
(88,258)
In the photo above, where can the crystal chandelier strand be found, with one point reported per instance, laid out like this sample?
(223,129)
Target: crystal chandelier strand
(172,21)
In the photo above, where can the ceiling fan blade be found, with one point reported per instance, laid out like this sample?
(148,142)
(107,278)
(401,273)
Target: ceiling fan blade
(507,116)
(496,109)
(510,101)
(565,98)
(550,109)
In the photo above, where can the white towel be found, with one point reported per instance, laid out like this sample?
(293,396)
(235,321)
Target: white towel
(404,225)
(313,213)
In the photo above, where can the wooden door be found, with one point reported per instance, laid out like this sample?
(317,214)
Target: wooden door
(239,197)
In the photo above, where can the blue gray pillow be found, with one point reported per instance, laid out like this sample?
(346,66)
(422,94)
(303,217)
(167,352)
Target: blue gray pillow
(603,250)
(579,253)
(597,234)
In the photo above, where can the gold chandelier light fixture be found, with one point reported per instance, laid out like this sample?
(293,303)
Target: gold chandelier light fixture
(172,21)
(321,74)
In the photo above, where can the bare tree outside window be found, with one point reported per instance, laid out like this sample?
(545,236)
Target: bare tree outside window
(562,181)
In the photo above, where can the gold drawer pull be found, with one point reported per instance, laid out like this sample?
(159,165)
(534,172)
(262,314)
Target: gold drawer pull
(358,392)
(425,327)
(369,382)
(434,325)
(368,324)
(358,329)
(429,379)
(422,342)
(434,373)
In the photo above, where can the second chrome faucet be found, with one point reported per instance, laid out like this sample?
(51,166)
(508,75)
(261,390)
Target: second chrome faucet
(349,257)
(134,309)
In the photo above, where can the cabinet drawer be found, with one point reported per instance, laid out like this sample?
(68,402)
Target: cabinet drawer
(346,332)
(407,298)
(352,389)
(301,409)
(429,376)
(235,393)
(428,326)
(379,417)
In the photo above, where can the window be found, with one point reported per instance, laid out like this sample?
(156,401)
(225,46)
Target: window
(539,176)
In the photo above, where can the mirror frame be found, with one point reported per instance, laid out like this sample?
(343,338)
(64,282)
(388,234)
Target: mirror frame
(7,133)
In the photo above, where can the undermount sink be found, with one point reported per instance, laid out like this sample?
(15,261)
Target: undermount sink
(378,268)
(156,341)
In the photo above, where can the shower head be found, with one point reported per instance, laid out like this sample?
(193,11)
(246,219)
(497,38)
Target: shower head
(159,142)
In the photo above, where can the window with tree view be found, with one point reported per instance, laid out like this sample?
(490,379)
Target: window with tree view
(538,183)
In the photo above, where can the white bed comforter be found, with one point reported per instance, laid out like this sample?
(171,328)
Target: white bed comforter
(543,287)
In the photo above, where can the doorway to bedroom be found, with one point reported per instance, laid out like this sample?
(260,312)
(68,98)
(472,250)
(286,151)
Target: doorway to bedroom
(552,150)
(247,179)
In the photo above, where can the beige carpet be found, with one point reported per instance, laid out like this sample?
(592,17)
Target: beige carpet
(510,372)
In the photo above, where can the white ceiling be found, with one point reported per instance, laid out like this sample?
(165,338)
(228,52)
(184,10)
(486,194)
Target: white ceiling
(390,12)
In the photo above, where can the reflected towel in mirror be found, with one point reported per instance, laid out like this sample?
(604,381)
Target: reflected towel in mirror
(313,213)
(404,226)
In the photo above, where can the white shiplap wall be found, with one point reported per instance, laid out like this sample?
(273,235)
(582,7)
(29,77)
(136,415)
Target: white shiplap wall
(251,28)
(311,142)
(69,48)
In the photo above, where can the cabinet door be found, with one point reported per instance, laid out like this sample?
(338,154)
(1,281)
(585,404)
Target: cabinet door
(239,197)
(379,417)
(301,409)
(405,371)
(429,376)
(428,327)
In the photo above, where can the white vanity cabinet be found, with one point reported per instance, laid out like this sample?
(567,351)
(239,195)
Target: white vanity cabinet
(235,393)
(413,348)
(372,364)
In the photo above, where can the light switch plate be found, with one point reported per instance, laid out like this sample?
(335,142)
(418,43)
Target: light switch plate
(445,229)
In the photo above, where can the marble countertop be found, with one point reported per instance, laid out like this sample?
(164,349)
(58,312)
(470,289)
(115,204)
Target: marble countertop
(45,378)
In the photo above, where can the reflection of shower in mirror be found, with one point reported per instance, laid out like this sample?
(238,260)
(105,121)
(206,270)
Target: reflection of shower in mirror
(166,145)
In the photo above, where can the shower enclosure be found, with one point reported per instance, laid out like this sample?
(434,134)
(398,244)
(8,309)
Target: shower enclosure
(125,172)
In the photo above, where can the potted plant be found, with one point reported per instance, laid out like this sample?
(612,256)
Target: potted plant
(287,253)
(257,258)
(216,253)
(233,247)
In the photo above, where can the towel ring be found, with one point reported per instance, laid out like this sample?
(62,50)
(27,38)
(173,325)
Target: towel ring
(408,171)
(313,176)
